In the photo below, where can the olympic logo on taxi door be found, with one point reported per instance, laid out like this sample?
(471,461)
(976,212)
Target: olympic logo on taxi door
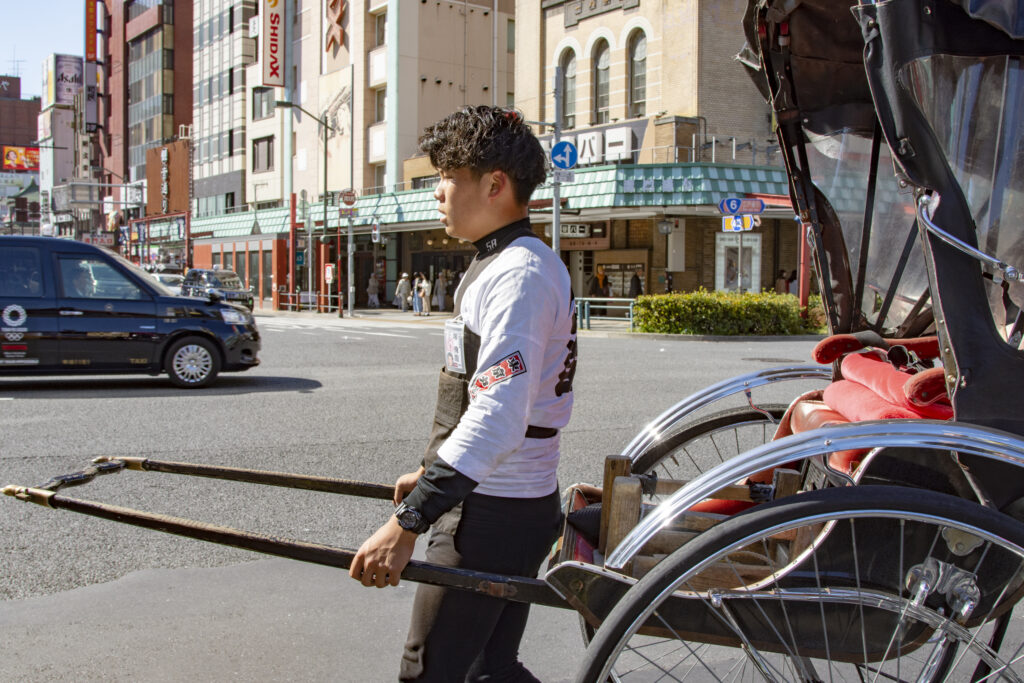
(14,316)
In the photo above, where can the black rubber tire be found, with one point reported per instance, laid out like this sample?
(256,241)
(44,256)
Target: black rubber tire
(721,420)
(192,362)
(654,586)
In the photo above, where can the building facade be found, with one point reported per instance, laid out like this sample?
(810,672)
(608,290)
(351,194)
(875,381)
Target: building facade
(19,167)
(664,119)
(223,48)
(646,83)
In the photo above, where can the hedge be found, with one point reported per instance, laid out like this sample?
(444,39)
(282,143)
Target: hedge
(723,313)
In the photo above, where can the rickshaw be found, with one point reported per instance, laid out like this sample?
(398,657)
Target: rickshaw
(872,529)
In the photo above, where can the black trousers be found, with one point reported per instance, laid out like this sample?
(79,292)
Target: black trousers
(458,636)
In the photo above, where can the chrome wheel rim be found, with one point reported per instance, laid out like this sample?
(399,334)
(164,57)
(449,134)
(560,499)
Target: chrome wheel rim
(192,363)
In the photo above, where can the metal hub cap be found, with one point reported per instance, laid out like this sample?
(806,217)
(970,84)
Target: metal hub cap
(192,363)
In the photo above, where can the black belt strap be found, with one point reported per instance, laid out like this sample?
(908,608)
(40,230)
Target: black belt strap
(534,432)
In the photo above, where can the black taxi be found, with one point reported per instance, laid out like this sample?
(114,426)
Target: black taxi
(70,307)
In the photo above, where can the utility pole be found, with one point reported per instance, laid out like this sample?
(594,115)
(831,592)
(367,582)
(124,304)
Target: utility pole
(556,212)
(352,183)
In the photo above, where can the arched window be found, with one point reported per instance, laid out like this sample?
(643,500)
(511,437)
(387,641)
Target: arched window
(637,75)
(602,63)
(568,65)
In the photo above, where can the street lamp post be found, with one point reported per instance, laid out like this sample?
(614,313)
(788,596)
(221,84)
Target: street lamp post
(322,122)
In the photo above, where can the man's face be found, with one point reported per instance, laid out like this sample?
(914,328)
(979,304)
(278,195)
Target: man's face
(462,202)
(82,280)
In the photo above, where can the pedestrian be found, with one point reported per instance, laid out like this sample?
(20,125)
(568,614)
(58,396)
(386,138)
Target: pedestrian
(793,286)
(425,290)
(636,286)
(403,292)
(440,291)
(417,294)
(372,288)
(781,283)
(599,288)
(488,482)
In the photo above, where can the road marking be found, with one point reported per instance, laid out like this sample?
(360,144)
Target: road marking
(391,334)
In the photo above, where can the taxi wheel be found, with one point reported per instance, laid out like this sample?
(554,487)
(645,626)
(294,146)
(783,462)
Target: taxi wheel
(192,363)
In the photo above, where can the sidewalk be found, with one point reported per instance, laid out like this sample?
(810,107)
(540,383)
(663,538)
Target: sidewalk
(395,315)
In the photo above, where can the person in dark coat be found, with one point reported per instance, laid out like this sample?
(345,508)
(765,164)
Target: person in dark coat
(636,285)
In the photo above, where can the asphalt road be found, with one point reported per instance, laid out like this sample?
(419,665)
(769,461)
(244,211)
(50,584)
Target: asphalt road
(86,599)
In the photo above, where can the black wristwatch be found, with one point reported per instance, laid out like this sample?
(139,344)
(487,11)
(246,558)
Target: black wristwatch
(410,519)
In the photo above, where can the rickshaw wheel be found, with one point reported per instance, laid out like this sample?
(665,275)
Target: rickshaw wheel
(862,583)
(707,441)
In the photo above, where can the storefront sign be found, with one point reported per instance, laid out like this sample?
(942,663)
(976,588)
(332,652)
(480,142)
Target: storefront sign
(602,145)
(574,230)
(272,43)
(165,185)
(586,244)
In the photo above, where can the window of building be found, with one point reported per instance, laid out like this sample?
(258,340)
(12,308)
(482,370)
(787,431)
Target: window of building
(262,103)
(511,35)
(380,27)
(263,154)
(510,99)
(379,176)
(637,75)
(568,89)
(380,105)
(424,182)
(601,80)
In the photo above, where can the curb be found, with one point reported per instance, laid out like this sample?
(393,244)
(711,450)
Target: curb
(395,315)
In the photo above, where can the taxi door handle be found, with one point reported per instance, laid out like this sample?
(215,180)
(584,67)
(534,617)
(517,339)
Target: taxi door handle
(68,311)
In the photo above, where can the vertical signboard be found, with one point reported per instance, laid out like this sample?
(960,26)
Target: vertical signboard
(90,30)
(272,42)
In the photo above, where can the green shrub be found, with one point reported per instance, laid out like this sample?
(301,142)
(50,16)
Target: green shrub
(719,313)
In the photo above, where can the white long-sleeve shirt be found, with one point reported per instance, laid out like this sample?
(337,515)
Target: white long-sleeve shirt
(521,307)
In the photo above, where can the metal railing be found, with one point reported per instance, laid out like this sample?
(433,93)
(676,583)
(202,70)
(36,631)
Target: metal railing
(597,307)
(321,302)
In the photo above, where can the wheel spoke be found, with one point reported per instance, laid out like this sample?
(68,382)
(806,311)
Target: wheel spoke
(813,587)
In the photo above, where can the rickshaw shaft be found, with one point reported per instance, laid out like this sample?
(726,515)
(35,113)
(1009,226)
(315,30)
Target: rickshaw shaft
(515,588)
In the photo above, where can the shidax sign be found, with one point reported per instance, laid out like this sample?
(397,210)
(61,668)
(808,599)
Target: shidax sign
(272,43)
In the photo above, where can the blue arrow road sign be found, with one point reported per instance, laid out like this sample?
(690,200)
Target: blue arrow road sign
(735,205)
(563,155)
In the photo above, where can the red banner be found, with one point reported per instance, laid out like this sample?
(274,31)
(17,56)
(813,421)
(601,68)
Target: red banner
(21,158)
(90,30)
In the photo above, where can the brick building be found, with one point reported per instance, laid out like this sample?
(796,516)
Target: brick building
(655,86)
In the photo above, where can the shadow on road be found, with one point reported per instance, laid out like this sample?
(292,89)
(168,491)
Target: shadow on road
(146,387)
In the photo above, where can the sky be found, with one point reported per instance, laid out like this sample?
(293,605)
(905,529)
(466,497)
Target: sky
(35,29)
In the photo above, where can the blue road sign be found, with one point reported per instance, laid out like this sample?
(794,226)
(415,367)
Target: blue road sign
(563,155)
(732,206)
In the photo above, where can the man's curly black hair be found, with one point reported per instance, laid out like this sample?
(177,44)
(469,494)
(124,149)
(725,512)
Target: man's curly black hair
(485,139)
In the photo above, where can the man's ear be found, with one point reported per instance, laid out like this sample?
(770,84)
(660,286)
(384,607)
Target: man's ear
(499,182)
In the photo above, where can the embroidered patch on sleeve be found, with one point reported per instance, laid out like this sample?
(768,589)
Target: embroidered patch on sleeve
(506,368)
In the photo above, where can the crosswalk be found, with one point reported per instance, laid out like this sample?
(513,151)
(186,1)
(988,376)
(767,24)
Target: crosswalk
(345,326)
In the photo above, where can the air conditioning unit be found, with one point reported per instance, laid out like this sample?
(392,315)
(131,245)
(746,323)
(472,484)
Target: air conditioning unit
(676,252)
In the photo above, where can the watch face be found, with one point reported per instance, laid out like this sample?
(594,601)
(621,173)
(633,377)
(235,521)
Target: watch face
(410,520)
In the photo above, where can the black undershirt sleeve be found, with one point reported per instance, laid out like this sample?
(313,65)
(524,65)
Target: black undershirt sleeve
(441,488)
